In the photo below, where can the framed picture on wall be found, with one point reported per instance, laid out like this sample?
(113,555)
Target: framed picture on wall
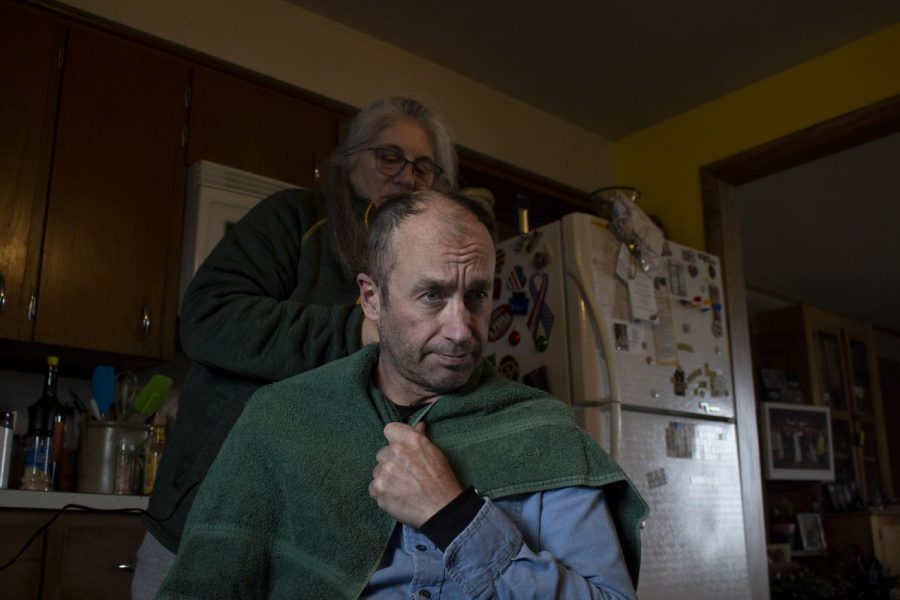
(797,442)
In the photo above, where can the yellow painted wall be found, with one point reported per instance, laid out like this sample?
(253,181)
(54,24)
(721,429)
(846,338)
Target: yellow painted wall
(663,160)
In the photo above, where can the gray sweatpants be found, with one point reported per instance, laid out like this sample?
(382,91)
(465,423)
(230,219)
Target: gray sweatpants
(153,564)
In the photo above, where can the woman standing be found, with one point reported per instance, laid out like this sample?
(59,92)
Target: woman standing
(278,297)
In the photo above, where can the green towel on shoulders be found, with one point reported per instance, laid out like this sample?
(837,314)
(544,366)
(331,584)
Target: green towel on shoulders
(285,509)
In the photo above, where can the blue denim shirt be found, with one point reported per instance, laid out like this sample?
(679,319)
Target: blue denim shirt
(555,544)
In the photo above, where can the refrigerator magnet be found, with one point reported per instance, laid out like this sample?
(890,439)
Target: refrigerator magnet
(501,321)
(656,478)
(537,379)
(518,303)
(533,238)
(509,368)
(679,386)
(516,279)
(541,319)
(541,259)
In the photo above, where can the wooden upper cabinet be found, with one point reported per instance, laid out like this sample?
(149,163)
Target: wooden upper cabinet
(258,129)
(30,44)
(109,273)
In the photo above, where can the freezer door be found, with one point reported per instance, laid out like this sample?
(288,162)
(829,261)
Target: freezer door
(687,471)
(527,331)
(677,362)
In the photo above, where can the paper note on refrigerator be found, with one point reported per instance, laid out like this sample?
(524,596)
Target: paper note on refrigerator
(629,337)
(664,329)
(642,298)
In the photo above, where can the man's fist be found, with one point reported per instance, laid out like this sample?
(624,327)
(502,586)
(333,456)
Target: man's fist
(412,479)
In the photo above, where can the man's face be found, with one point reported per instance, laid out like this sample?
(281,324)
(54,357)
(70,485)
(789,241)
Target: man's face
(408,139)
(434,323)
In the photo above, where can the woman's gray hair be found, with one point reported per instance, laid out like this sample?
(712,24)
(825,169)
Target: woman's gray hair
(348,233)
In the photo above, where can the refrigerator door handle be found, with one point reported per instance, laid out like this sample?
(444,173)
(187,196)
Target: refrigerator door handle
(615,429)
(593,313)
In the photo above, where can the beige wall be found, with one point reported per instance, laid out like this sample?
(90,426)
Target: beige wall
(283,41)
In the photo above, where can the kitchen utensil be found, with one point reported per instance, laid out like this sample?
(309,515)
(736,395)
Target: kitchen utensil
(151,396)
(94,411)
(103,386)
(80,405)
(126,388)
(96,461)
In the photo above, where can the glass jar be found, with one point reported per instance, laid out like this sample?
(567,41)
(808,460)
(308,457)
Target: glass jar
(125,456)
(36,476)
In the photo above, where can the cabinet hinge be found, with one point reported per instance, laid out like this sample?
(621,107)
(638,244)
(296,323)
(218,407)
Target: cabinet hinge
(188,94)
(62,55)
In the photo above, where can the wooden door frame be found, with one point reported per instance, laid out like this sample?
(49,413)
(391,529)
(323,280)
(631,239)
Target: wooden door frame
(719,181)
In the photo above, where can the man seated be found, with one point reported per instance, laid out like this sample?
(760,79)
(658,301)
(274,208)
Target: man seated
(412,468)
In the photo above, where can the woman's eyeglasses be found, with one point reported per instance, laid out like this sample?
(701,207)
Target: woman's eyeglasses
(390,162)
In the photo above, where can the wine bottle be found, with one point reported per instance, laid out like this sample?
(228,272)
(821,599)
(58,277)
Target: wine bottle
(45,436)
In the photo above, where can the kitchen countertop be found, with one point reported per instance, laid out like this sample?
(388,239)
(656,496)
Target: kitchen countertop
(56,500)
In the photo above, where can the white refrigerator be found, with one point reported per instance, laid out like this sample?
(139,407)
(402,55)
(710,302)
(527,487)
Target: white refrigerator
(643,358)
(217,197)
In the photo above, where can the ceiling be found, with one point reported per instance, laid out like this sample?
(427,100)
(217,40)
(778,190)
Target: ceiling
(614,67)
(823,233)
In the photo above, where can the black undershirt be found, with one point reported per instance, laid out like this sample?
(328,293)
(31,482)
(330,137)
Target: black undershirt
(447,523)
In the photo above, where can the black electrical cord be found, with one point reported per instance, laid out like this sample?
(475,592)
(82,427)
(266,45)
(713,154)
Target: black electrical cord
(109,511)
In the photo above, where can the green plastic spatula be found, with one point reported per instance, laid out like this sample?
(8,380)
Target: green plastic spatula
(151,396)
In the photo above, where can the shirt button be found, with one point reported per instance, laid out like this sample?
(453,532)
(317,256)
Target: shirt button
(424,594)
(421,548)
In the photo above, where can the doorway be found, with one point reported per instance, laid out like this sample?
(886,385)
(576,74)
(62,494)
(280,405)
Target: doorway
(719,181)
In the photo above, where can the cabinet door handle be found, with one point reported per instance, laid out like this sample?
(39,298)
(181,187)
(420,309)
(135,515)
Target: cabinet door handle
(32,307)
(2,293)
(145,323)
(125,567)
(316,173)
